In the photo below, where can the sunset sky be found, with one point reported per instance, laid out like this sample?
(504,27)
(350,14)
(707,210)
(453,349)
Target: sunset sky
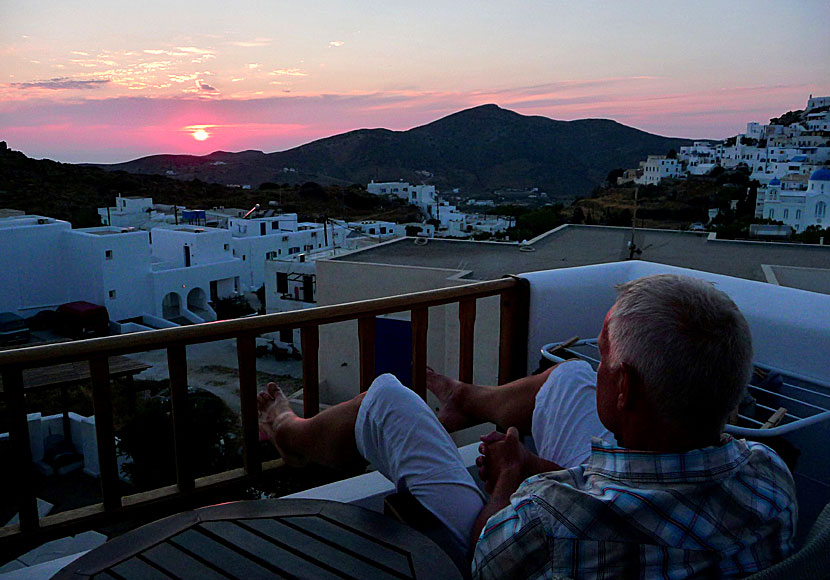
(111,81)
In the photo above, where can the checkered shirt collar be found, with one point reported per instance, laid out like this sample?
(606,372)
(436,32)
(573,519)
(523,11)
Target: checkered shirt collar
(707,464)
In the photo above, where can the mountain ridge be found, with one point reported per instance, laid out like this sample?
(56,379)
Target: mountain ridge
(477,150)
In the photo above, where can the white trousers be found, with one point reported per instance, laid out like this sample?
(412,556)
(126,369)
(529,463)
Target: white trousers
(401,436)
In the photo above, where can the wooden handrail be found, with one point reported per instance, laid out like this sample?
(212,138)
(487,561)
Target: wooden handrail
(513,294)
(52,354)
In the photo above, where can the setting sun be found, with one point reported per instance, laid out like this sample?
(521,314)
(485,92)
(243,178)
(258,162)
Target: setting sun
(200,134)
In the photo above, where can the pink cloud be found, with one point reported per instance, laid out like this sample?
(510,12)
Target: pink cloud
(117,129)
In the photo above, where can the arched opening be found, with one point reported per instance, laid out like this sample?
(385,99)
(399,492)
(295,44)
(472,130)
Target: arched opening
(171,306)
(197,300)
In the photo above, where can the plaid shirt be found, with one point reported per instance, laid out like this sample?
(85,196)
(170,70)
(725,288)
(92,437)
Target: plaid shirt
(724,511)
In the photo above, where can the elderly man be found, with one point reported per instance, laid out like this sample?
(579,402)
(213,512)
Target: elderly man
(634,477)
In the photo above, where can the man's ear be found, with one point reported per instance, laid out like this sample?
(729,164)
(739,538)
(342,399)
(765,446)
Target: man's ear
(628,386)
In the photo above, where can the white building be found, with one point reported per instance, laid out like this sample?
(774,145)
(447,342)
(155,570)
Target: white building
(134,212)
(255,240)
(658,167)
(817,102)
(701,157)
(798,208)
(396,188)
(818,121)
(380,230)
(46,264)
(422,196)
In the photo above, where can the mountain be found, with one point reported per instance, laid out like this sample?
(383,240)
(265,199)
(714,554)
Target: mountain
(74,192)
(477,150)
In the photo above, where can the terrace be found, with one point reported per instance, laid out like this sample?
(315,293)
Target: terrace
(791,329)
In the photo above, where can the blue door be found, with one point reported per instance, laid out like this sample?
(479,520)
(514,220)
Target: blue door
(393,349)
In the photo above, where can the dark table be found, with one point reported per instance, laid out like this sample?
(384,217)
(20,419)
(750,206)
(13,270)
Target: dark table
(268,539)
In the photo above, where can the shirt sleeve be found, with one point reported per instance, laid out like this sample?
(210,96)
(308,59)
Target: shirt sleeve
(512,543)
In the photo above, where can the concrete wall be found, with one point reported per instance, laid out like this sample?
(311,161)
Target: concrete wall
(342,281)
(93,275)
(206,245)
(31,254)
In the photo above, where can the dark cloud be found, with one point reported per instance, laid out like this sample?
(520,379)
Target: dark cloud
(61,83)
(206,88)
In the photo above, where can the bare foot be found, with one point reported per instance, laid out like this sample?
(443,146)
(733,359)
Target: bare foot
(450,393)
(275,415)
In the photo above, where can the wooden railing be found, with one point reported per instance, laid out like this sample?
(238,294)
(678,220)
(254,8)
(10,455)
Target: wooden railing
(513,293)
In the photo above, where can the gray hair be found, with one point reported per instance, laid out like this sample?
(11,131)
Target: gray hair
(689,343)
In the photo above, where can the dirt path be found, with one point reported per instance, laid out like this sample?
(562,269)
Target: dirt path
(213,367)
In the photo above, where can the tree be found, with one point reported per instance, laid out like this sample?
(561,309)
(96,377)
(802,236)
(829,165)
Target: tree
(813,234)
(612,176)
(211,431)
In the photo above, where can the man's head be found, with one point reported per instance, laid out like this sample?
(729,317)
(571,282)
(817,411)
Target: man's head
(685,342)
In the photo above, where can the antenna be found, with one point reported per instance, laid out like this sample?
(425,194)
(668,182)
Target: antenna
(252,210)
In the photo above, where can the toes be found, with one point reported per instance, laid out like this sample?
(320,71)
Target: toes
(262,400)
(273,390)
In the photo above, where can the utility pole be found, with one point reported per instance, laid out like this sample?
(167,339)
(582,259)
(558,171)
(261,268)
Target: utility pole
(632,247)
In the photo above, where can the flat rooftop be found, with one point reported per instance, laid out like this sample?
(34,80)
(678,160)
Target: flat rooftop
(575,245)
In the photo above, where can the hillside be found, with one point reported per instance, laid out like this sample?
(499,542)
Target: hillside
(73,193)
(478,150)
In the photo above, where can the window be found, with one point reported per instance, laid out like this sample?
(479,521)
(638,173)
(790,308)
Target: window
(798,214)
(294,250)
(275,225)
(108,254)
(112,294)
(243,257)
(821,209)
(313,234)
(227,247)
(285,238)
(786,213)
(771,214)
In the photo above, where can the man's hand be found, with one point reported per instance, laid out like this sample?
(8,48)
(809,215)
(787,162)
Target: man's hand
(503,465)
(502,460)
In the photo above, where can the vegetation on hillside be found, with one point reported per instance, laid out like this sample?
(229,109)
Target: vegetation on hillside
(73,193)
(477,150)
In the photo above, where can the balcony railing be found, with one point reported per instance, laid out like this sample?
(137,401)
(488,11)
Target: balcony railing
(32,529)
